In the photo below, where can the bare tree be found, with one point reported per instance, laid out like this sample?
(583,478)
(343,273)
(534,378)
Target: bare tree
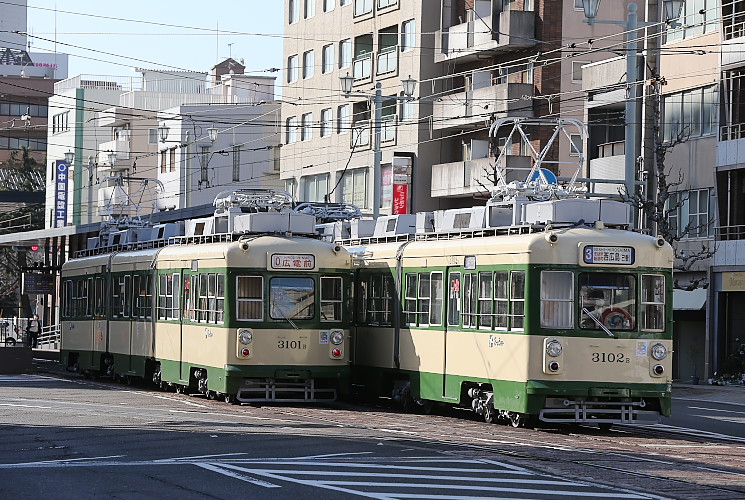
(657,206)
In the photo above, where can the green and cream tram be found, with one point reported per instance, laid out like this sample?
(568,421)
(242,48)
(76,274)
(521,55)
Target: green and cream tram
(565,322)
(258,313)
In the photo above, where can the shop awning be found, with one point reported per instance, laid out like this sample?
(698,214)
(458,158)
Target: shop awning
(684,300)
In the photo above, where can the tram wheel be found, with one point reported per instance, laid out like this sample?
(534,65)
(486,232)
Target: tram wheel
(489,414)
(180,389)
(211,395)
(428,407)
(517,420)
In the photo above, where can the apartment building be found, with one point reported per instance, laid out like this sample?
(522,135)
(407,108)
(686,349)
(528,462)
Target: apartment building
(474,61)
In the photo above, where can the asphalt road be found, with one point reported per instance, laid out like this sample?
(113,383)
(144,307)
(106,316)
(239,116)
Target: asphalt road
(76,439)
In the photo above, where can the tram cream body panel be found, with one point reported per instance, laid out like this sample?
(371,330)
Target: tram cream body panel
(488,355)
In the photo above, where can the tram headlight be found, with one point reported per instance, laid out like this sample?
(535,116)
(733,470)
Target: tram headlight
(554,349)
(337,337)
(659,352)
(245,336)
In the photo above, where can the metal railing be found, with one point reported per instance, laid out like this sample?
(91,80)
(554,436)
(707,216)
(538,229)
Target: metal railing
(732,132)
(726,233)
(49,337)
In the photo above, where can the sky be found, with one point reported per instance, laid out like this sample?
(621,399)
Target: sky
(111,38)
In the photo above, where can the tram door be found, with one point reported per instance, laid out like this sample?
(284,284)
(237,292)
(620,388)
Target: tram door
(452,313)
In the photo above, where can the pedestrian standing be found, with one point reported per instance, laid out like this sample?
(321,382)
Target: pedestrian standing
(32,331)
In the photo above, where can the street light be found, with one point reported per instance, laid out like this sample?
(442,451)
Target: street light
(409,84)
(69,157)
(163,132)
(212,133)
(632,25)
(112,158)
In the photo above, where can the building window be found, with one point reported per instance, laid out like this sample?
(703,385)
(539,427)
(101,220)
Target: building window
(362,7)
(152,136)
(309,61)
(698,17)
(294,11)
(577,71)
(329,5)
(61,122)
(689,213)
(407,109)
(342,3)
(310,8)
(327,56)
(691,113)
(345,53)
(306,131)
(344,120)
(408,35)
(204,158)
(382,4)
(575,146)
(578,5)
(354,187)
(163,163)
(316,187)
(327,121)
(292,68)
(236,163)
(172,160)
(291,130)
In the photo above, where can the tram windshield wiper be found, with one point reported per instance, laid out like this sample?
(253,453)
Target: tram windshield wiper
(284,317)
(597,322)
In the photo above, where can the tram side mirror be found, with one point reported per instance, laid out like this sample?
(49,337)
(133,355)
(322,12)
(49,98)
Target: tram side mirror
(552,238)
(245,246)
(660,242)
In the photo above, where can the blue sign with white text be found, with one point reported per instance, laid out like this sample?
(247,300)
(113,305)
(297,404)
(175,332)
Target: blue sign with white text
(61,169)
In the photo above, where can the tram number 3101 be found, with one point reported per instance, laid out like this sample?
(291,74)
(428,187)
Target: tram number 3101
(291,344)
(610,357)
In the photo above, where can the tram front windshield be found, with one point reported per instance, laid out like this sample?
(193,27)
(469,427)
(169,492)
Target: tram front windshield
(608,299)
(291,298)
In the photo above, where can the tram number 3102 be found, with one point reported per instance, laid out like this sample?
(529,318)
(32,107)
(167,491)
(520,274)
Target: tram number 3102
(291,344)
(609,357)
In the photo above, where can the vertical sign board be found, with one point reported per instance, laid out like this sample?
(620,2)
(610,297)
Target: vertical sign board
(400,199)
(60,193)
(401,184)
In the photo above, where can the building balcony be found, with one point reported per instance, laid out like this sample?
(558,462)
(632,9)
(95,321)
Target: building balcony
(733,37)
(731,145)
(730,246)
(472,108)
(610,165)
(514,29)
(114,117)
(469,177)
(604,74)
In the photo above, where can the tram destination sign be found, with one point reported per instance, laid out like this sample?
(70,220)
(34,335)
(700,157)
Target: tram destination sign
(292,261)
(623,256)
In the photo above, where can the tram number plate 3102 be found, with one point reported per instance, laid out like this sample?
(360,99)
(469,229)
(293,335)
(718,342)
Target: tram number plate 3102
(609,357)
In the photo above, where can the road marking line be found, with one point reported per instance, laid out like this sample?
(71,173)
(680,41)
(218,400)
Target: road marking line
(572,493)
(715,409)
(221,470)
(25,406)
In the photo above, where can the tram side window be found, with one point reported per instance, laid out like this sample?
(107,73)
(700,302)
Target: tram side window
(486,318)
(143,296)
(378,301)
(517,300)
(168,296)
(331,299)
(211,297)
(291,298)
(454,299)
(469,301)
(250,298)
(410,302)
(653,303)
(607,299)
(99,297)
(67,299)
(501,300)
(436,297)
(557,299)
(81,304)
